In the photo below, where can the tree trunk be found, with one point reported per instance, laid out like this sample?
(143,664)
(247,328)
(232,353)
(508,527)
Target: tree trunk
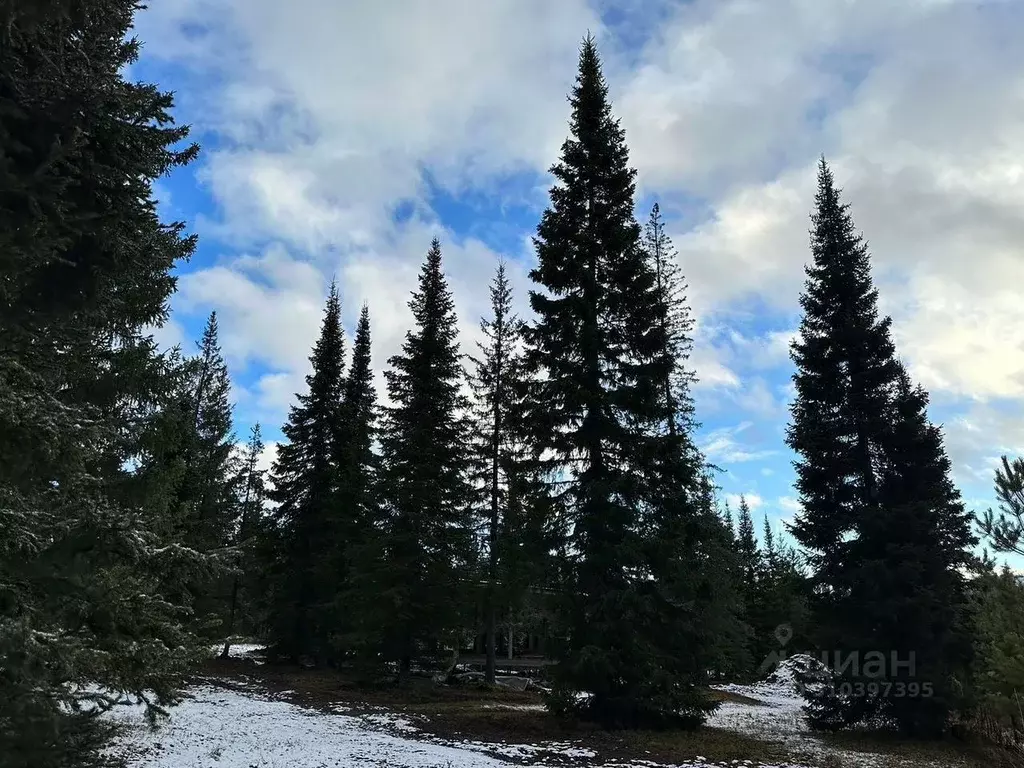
(404,669)
(492,610)
(231,619)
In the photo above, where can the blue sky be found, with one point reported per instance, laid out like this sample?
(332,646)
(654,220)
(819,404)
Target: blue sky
(338,138)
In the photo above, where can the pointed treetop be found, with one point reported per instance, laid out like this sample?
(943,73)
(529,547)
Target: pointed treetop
(769,538)
(209,339)
(363,326)
(361,366)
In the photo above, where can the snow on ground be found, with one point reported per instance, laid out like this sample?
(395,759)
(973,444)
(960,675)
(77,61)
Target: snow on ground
(780,717)
(237,650)
(220,728)
(224,728)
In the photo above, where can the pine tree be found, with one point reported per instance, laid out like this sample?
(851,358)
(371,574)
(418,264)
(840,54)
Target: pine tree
(873,483)
(304,480)
(495,379)
(357,504)
(86,571)
(1005,529)
(427,527)
(251,493)
(597,357)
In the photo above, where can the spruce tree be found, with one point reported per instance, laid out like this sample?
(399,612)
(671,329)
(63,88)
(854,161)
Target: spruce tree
(304,479)
(597,356)
(675,325)
(427,530)
(747,544)
(780,600)
(999,668)
(495,379)
(87,573)
(911,556)
(845,372)
(251,493)
(873,482)
(357,512)
(207,492)
(204,504)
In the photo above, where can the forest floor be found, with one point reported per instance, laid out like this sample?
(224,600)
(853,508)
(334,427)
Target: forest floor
(243,714)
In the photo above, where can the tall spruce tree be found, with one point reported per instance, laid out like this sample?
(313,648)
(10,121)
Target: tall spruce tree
(846,371)
(207,492)
(357,502)
(427,528)
(251,492)
(597,354)
(748,552)
(873,482)
(675,325)
(87,573)
(304,479)
(495,379)
(911,555)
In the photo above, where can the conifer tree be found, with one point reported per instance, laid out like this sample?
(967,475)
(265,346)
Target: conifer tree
(87,572)
(597,357)
(251,493)
(204,505)
(910,557)
(426,527)
(780,600)
(304,479)
(748,551)
(770,552)
(357,504)
(675,324)
(1005,528)
(728,521)
(495,379)
(878,507)
(999,597)
(207,493)
(845,372)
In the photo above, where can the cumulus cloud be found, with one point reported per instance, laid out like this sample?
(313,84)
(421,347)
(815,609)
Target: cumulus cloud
(726,444)
(327,117)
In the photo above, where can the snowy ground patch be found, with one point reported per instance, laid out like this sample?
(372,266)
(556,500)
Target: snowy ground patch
(778,716)
(219,728)
(238,650)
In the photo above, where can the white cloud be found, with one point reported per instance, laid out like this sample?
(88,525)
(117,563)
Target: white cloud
(788,504)
(328,115)
(268,457)
(722,445)
(976,439)
(754,501)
